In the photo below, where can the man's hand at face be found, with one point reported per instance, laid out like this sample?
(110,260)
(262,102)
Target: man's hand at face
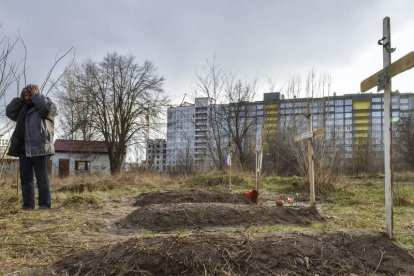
(33,89)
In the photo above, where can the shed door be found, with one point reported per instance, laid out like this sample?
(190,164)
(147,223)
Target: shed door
(63,167)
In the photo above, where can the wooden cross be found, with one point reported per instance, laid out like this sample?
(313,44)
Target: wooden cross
(382,79)
(309,135)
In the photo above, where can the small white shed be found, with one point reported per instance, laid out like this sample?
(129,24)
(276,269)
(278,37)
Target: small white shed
(80,157)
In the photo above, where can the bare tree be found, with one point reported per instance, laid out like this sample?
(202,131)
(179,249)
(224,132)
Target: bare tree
(8,70)
(75,106)
(123,93)
(239,115)
(288,152)
(404,139)
(185,155)
(211,83)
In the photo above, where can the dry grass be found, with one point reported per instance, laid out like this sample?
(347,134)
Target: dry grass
(32,239)
(37,238)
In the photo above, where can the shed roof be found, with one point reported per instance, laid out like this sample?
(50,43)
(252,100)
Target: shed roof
(80,146)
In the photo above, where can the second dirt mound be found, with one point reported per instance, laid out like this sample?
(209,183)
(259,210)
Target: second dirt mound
(198,215)
(190,196)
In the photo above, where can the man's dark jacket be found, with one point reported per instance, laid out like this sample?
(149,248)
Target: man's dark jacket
(37,120)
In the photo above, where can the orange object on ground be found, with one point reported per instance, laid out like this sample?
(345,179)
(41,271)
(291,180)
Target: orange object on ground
(280,202)
(253,194)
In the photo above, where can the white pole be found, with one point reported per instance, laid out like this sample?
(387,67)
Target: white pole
(387,133)
(311,171)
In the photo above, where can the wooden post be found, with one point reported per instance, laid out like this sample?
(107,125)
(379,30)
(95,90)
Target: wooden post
(387,132)
(257,165)
(229,160)
(230,175)
(259,159)
(17,181)
(311,171)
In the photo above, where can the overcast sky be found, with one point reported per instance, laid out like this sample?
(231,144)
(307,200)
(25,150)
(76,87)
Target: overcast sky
(257,38)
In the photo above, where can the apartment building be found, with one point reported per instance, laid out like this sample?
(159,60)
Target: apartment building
(353,122)
(192,141)
(156,155)
(4,145)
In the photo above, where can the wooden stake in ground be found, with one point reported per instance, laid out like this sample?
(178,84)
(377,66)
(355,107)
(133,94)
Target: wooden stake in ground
(259,158)
(229,159)
(382,79)
(309,135)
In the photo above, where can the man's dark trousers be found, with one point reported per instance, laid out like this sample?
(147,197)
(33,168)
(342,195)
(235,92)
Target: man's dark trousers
(30,166)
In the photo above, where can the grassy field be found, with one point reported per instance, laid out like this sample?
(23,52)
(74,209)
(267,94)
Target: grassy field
(83,206)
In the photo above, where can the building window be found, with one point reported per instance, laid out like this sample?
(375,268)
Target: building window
(339,109)
(339,122)
(404,100)
(348,102)
(376,127)
(81,166)
(339,102)
(348,108)
(339,115)
(377,99)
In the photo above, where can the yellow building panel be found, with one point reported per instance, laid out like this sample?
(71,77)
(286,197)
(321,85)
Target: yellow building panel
(361,121)
(361,128)
(267,112)
(360,135)
(267,125)
(361,105)
(361,114)
(271,106)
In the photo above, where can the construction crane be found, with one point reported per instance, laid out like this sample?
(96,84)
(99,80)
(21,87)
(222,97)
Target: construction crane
(182,102)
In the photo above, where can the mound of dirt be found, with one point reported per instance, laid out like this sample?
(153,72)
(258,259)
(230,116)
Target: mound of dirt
(190,196)
(336,253)
(197,215)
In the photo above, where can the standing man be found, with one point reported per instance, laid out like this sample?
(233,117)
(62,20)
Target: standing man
(32,142)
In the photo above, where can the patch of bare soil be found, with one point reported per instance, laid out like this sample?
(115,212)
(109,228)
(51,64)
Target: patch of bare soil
(83,187)
(313,253)
(190,196)
(197,215)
